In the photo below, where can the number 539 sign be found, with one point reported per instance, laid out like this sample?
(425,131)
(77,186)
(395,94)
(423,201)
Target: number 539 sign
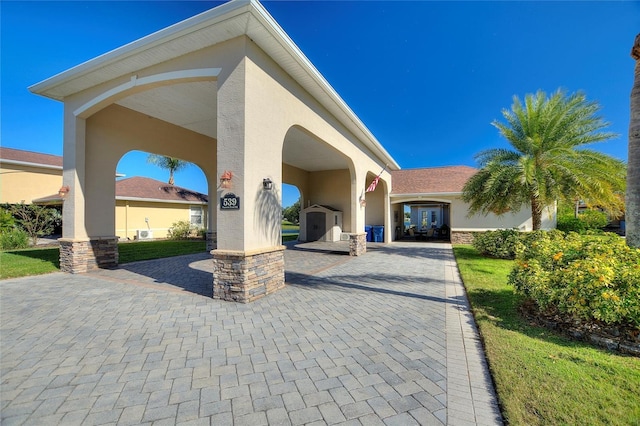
(230,202)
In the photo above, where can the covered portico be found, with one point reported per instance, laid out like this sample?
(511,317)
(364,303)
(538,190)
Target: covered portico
(229,91)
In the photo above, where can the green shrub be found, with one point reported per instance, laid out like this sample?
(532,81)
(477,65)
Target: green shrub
(202,233)
(570,224)
(6,220)
(590,277)
(594,219)
(13,238)
(586,221)
(500,244)
(180,230)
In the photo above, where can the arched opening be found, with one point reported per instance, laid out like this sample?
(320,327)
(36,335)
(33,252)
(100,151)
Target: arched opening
(374,202)
(323,176)
(147,206)
(291,201)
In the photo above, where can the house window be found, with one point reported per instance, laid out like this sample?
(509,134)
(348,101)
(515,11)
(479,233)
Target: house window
(196,216)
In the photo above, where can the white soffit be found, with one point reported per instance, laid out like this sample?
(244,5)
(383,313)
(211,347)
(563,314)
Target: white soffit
(190,105)
(227,21)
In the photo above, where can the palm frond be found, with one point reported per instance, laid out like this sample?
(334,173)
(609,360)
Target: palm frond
(548,161)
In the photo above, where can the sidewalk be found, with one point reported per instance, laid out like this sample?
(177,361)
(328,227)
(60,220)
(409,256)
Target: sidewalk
(385,338)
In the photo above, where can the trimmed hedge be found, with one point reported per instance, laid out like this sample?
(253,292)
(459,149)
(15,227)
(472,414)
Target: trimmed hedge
(500,244)
(590,277)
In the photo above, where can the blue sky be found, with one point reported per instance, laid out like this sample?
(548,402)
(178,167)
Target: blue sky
(427,78)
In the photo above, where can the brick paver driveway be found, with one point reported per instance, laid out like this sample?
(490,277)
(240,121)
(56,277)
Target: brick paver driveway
(385,338)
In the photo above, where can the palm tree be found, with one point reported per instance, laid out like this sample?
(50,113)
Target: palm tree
(633,174)
(169,163)
(548,161)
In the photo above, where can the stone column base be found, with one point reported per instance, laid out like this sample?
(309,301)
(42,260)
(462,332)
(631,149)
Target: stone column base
(240,276)
(77,256)
(212,240)
(460,237)
(357,244)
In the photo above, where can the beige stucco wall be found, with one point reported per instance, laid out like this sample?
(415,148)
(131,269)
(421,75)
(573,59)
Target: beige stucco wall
(257,103)
(275,103)
(375,211)
(520,220)
(130,216)
(113,132)
(22,183)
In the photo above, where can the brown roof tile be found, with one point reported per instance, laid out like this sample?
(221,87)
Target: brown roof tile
(30,157)
(142,187)
(431,180)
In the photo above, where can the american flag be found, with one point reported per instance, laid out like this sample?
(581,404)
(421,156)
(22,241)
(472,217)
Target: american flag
(373,185)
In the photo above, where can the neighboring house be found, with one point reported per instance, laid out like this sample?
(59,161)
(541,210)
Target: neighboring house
(145,208)
(27,175)
(434,198)
(144,204)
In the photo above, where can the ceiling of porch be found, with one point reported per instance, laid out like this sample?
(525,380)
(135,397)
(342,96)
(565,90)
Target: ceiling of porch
(193,106)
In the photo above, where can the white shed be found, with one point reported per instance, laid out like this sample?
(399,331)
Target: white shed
(320,223)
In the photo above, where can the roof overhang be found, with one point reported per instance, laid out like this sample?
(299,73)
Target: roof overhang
(158,200)
(225,22)
(30,164)
(426,195)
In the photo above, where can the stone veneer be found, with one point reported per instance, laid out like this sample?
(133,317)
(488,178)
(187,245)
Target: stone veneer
(357,244)
(458,237)
(240,276)
(212,240)
(77,256)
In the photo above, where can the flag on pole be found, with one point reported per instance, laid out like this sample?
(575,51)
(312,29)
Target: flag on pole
(373,185)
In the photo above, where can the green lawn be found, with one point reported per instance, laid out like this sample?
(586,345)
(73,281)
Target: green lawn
(20,263)
(294,231)
(146,250)
(542,378)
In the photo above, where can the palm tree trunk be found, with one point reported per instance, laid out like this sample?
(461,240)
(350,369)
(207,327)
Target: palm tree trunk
(632,214)
(536,213)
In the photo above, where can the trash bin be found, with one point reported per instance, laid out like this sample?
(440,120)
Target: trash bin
(378,234)
(369,230)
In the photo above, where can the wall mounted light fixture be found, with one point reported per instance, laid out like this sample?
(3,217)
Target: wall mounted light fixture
(267,184)
(63,191)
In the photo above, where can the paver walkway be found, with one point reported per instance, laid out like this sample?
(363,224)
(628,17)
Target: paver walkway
(385,338)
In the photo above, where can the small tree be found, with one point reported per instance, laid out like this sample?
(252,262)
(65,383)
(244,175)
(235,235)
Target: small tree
(168,163)
(292,213)
(37,221)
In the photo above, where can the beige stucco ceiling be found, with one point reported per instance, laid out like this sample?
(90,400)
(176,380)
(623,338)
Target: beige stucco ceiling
(189,105)
(193,106)
(305,152)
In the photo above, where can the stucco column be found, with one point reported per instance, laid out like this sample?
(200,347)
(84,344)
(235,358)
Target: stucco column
(389,225)
(73,166)
(212,219)
(249,258)
(358,237)
(78,251)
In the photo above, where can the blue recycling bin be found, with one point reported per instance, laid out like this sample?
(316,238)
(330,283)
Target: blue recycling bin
(369,230)
(378,234)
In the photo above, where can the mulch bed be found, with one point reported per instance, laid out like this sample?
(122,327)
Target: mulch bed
(619,338)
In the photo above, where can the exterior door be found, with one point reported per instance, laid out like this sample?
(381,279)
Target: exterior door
(316,225)
(429,217)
